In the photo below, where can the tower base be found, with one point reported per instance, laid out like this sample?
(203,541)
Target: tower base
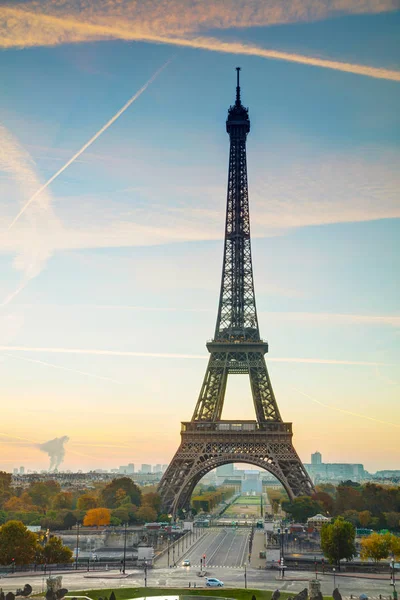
(206,445)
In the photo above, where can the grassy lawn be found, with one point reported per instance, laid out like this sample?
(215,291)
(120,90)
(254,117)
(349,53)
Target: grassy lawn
(245,505)
(127,593)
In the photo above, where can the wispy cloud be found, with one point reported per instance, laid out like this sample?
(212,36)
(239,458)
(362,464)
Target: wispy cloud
(162,355)
(351,187)
(52,22)
(32,249)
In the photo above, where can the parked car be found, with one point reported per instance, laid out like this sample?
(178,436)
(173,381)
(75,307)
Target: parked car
(213,582)
(186,563)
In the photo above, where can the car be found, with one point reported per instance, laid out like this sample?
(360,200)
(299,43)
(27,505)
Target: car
(213,582)
(186,563)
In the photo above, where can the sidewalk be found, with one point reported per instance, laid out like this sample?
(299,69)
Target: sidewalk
(258,546)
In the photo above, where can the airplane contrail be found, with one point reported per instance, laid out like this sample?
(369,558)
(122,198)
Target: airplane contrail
(89,143)
(347,412)
(47,364)
(128,353)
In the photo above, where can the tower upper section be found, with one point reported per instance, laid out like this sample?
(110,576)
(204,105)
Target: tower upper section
(238,123)
(237,316)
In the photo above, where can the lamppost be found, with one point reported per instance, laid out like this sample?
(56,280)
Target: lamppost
(77,546)
(245,575)
(123,566)
(392,564)
(168,547)
(334,578)
(145,573)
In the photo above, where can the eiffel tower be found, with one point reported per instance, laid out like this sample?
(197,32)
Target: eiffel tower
(207,441)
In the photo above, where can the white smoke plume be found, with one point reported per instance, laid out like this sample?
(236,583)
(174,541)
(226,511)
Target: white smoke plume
(56,451)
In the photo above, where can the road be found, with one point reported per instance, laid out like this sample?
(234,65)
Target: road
(222,547)
(293,583)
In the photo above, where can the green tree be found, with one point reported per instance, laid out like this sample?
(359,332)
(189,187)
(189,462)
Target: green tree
(86,502)
(5,487)
(302,508)
(121,513)
(42,492)
(337,541)
(17,544)
(352,516)
(110,497)
(69,520)
(55,552)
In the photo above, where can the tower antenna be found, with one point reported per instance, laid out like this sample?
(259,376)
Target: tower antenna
(238,102)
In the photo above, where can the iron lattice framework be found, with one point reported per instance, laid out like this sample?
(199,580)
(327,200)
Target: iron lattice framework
(207,441)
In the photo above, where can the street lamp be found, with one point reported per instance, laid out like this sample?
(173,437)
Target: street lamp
(245,575)
(392,564)
(145,573)
(334,578)
(123,567)
(77,546)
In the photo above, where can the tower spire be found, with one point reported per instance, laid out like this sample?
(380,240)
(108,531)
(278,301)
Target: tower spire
(238,101)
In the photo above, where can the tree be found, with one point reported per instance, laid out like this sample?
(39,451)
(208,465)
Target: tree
(42,492)
(86,502)
(62,500)
(375,546)
(365,518)
(146,514)
(395,546)
(121,513)
(352,516)
(324,500)
(21,503)
(121,496)
(392,519)
(17,544)
(337,541)
(69,520)
(348,497)
(302,508)
(55,552)
(109,497)
(275,503)
(5,486)
(154,500)
(13,504)
(97,516)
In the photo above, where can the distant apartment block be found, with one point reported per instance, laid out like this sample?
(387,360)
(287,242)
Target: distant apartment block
(335,472)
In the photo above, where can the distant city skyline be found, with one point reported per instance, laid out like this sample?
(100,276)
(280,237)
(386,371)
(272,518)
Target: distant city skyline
(113,162)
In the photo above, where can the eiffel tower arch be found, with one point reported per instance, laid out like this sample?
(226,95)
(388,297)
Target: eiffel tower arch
(207,441)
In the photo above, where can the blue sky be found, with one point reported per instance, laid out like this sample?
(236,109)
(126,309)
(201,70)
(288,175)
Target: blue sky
(121,255)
